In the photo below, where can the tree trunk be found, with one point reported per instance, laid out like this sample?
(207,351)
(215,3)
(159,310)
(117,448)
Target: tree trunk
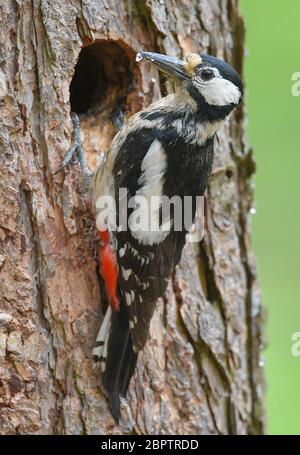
(200,372)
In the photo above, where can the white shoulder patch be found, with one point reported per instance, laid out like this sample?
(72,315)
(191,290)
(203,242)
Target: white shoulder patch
(144,220)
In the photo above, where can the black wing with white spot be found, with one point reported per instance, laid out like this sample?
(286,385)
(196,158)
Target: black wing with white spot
(146,259)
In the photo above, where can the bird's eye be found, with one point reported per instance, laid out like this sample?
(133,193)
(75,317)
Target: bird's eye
(207,74)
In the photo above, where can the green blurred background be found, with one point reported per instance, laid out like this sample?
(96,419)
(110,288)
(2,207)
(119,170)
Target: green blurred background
(273,47)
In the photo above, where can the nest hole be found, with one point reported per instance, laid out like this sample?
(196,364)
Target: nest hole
(103,92)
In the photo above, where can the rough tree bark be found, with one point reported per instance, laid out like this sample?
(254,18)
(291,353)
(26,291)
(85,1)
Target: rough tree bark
(201,370)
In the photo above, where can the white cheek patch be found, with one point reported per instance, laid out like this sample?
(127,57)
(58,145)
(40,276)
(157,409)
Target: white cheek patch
(220,92)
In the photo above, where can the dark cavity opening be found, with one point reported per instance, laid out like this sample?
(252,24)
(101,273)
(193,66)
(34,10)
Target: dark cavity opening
(103,92)
(102,77)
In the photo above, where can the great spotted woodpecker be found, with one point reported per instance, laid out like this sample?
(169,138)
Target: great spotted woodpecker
(164,150)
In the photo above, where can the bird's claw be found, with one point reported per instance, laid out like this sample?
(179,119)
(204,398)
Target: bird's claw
(76,150)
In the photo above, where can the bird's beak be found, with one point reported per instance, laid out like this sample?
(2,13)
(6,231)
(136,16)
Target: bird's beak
(172,66)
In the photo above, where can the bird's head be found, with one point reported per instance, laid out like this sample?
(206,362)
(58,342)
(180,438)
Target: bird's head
(211,83)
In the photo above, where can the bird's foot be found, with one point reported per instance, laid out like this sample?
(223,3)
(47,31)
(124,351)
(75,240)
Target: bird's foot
(77,149)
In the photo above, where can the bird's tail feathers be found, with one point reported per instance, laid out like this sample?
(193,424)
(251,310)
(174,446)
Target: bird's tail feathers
(114,351)
(101,345)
